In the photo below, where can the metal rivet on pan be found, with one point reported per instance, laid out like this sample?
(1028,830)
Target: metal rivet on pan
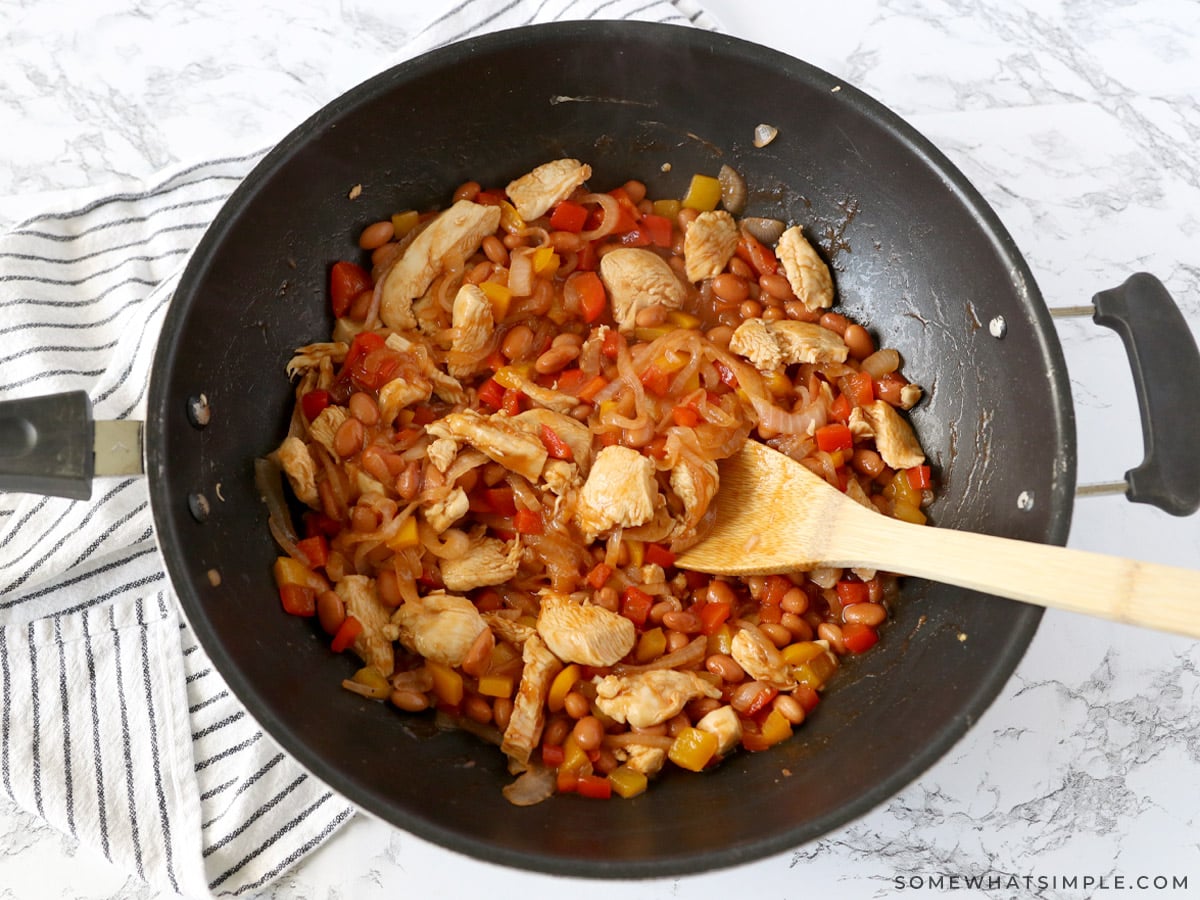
(198,506)
(1025,501)
(998,327)
(198,411)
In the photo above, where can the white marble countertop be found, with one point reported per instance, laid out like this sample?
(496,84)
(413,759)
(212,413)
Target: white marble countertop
(1078,121)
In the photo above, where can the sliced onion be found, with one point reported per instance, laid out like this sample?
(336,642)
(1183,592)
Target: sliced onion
(881,362)
(768,231)
(268,479)
(612,212)
(535,784)
(781,422)
(688,656)
(520,272)
(733,189)
(636,739)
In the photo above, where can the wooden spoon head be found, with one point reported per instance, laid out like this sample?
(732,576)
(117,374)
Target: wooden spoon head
(773,515)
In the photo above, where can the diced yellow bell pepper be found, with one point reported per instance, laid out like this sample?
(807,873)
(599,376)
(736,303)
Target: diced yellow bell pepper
(510,219)
(637,552)
(500,297)
(447,683)
(502,655)
(681,319)
(370,677)
(406,536)
(906,512)
(496,685)
(779,384)
(776,728)
(704,193)
(512,377)
(627,782)
(900,490)
(649,333)
(404,222)
(693,749)
(292,571)
(816,671)
(561,686)
(721,641)
(545,262)
(799,653)
(667,208)
(575,759)
(651,645)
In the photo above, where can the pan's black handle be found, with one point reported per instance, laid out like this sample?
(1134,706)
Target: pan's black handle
(46,445)
(1166,376)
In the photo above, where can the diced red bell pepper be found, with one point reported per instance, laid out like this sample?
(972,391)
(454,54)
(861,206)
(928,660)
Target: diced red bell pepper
(528,521)
(552,755)
(501,501)
(588,287)
(658,555)
(834,437)
(568,216)
(685,416)
(555,446)
(659,229)
(490,197)
(346,281)
(713,615)
(655,380)
(858,388)
(588,392)
(841,408)
(635,605)
(920,477)
(298,599)
(726,374)
(599,575)
(318,523)
(611,344)
(751,250)
(313,403)
(850,592)
(762,700)
(512,401)
(859,638)
(588,258)
(566,781)
(597,787)
(806,696)
(315,550)
(346,634)
(491,393)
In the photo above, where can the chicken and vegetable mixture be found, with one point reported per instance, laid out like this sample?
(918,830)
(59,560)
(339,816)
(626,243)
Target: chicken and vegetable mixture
(515,429)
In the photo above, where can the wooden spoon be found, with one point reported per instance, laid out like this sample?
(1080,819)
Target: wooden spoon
(774,515)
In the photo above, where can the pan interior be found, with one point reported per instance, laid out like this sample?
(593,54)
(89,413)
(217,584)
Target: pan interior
(917,257)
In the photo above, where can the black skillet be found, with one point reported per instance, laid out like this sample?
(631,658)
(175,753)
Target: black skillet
(917,255)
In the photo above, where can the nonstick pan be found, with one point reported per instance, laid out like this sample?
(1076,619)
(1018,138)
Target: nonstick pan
(917,255)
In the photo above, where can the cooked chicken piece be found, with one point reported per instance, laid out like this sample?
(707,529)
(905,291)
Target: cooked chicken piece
(807,342)
(472,323)
(442,453)
(449,239)
(894,438)
(368,485)
(509,629)
(545,187)
(709,244)
(528,714)
(753,341)
(637,278)
(301,470)
(325,426)
(463,463)
(374,642)
(489,561)
(855,492)
(694,482)
(910,396)
(647,760)
(561,476)
(619,491)
(311,356)
(400,393)
(725,724)
(439,626)
(761,659)
(584,633)
(441,514)
(446,387)
(542,396)
(647,698)
(806,271)
(771,344)
(497,437)
(573,433)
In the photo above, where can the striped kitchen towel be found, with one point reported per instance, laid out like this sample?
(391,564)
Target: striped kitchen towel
(114,726)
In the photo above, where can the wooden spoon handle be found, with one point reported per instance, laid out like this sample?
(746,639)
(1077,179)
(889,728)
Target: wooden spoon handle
(1110,587)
